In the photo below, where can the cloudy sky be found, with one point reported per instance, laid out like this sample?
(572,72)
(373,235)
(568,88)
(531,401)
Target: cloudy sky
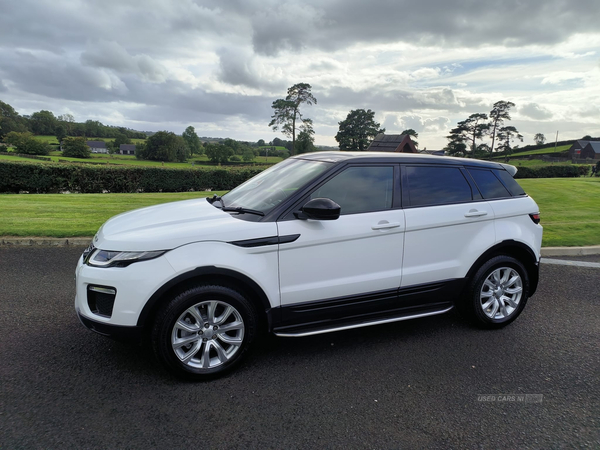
(218,65)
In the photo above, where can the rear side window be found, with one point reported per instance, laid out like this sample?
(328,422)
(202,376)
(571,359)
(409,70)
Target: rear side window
(514,188)
(489,186)
(437,186)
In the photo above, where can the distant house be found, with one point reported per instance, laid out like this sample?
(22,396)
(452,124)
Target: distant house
(97,146)
(591,150)
(575,150)
(398,143)
(127,149)
(433,152)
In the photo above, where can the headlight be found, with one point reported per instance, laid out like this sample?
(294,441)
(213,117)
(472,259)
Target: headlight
(107,258)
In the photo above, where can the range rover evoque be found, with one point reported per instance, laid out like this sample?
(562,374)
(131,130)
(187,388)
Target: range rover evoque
(320,242)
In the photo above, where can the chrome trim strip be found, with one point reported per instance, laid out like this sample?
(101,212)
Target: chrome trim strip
(363,324)
(102,290)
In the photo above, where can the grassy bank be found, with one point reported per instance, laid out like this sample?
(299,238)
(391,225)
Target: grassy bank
(570,210)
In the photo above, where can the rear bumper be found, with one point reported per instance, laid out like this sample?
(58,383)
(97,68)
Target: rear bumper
(117,332)
(534,277)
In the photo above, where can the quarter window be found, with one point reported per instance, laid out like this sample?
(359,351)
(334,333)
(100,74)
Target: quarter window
(360,189)
(437,186)
(489,186)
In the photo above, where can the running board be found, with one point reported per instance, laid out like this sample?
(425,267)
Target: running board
(361,324)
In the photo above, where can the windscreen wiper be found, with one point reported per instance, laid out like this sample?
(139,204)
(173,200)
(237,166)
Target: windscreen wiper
(241,210)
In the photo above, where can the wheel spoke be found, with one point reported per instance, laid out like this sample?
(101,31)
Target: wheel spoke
(190,328)
(487,304)
(504,278)
(486,294)
(513,280)
(230,340)
(223,317)
(231,326)
(210,311)
(196,315)
(494,310)
(220,351)
(503,310)
(510,302)
(514,290)
(189,355)
(491,286)
(177,343)
(206,355)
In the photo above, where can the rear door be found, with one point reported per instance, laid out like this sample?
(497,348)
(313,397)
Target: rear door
(448,224)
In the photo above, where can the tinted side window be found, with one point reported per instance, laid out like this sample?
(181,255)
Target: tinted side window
(437,186)
(514,187)
(488,184)
(360,189)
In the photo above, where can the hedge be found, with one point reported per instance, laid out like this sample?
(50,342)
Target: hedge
(565,171)
(54,178)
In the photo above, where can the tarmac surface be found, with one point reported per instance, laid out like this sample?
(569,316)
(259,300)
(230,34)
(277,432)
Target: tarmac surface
(428,383)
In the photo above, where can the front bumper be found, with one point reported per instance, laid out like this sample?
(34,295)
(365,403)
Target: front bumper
(117,332)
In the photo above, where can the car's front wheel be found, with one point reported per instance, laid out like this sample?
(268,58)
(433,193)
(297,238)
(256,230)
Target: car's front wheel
(497,293)
(204,331)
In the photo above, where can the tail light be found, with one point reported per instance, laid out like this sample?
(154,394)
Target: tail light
(535,217)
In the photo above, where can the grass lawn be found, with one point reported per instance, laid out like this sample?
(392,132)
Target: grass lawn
(570,209)
(69,215)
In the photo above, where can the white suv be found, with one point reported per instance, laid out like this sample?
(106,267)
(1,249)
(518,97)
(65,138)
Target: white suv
(317,243)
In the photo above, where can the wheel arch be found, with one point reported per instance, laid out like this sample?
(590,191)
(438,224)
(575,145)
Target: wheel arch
(517,250)
(210,275)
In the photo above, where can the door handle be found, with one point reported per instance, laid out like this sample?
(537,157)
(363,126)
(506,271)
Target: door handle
(475,213)
(384,224)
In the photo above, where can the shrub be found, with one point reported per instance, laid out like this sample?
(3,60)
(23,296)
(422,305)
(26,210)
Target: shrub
(235,158)
(562,171)
(76,147)
(54,178)
(25,143)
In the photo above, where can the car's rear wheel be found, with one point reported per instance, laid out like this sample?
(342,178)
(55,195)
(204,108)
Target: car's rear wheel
(204,331)
(497,293)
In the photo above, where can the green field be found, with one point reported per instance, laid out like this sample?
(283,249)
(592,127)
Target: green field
(540,151)
(569,208)
(69,215)
(130,160)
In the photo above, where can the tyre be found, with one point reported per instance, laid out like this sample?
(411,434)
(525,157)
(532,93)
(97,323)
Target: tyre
(497,292)
(204,331)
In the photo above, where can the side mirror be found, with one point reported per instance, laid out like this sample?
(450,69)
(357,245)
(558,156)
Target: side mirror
(319,209)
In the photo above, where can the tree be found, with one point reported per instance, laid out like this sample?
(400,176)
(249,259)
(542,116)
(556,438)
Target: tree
(43,122)
(505,135)
(193,141)
(413,135)
(261,143)
(498,114)
(357,131)
(10,120)
(218,153)
(248,155)
(67,120)
(26,143)
(164,146)
(539,139)
(306,141)
(76,147)
(287,111)
(61,133)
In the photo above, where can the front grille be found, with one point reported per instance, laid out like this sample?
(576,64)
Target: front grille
(101,300)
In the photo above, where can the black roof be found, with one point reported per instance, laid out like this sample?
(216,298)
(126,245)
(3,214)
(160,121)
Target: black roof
(96,144)
(595,145)
(128,147)
(387,157)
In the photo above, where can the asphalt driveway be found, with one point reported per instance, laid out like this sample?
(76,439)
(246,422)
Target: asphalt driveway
(428,383)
